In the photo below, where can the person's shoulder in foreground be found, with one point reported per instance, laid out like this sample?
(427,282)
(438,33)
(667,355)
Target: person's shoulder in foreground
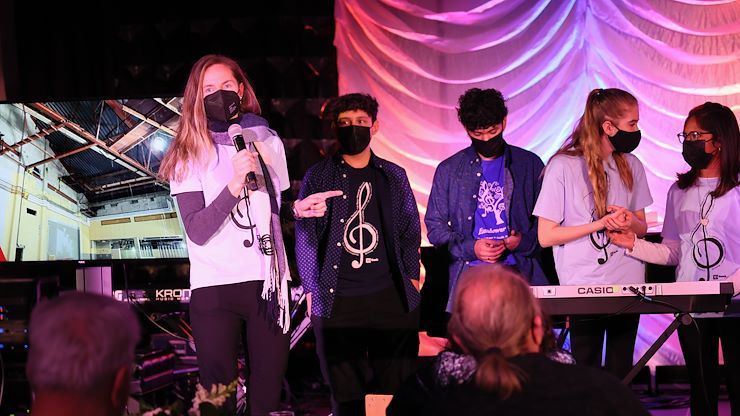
(504,366)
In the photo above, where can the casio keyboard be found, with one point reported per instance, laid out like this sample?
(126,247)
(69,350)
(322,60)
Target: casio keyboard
(713,296)
(679,298)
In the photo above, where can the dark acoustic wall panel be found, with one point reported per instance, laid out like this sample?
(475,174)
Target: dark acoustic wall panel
(71,52)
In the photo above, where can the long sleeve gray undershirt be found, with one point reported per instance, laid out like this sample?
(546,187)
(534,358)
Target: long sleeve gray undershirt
(201,222)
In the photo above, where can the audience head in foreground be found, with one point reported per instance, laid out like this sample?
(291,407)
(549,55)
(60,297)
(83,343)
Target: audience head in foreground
(496,316)
(502,363)
(81,353)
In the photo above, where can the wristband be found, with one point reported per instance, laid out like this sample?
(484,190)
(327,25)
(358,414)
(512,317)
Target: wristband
(295,211)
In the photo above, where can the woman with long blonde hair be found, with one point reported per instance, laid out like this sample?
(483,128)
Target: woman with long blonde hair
(229,201)
(591,185)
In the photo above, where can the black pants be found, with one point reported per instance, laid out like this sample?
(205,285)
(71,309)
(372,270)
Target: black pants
(587,341)
(369,345)
(217,315)
(704,348)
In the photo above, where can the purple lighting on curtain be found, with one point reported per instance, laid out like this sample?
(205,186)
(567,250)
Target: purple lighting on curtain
(418,57)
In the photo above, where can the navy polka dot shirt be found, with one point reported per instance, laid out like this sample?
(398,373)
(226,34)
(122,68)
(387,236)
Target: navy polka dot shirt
(318,240)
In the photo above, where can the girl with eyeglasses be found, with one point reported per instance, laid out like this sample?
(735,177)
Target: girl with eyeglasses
(700,236)
(594,184)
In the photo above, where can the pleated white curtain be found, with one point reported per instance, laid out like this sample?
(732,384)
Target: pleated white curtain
(417,57)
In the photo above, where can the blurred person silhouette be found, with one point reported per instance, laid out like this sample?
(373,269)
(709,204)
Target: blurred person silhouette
(81,355)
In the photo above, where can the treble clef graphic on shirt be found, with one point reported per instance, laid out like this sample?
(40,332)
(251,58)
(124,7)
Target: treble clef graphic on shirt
(355,245)
(706,258)
(241,217)
(601,241)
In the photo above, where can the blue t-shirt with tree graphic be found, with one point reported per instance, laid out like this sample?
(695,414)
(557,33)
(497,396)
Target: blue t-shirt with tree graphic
(491,221)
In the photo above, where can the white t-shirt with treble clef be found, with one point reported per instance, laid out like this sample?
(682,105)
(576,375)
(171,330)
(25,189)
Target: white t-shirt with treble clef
(567,199)
(706,228)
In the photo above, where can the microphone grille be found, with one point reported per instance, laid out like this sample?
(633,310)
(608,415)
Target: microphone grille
(234,130)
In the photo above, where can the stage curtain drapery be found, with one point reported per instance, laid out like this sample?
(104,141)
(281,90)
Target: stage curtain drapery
(417,58)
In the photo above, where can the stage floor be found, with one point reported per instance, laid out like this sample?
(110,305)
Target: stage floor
(673,403)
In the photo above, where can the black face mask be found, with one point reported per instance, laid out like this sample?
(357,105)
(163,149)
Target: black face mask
(222,105)
(494,147)
(353,139)
(693,153)
(625,141)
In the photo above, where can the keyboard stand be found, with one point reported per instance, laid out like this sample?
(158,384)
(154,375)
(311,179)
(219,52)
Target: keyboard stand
(681,318)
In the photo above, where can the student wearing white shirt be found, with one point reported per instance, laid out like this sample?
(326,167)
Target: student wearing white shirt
(700,236)
(591,185)
(238,270)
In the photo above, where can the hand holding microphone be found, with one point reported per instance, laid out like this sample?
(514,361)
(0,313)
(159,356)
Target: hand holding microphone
(242,163)
(245,163)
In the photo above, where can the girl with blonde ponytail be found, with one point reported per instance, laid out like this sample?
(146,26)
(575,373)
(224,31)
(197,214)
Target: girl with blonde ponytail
(594,185)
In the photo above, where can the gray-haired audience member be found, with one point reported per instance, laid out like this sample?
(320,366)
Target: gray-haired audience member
(82,350)
(498,365)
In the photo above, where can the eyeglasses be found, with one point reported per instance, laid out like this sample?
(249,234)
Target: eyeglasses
(693,136)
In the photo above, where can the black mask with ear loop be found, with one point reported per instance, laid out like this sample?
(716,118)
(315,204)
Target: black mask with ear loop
(353,139)
(222,105)
(493,147)
(625,141)
(693,153)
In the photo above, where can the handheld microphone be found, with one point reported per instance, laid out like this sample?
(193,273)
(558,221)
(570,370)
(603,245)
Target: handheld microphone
(235,132)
